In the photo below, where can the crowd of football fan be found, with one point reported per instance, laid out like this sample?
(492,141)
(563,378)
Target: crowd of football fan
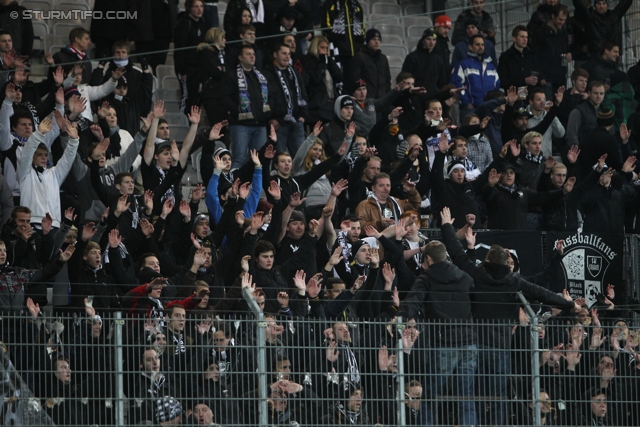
(317,174)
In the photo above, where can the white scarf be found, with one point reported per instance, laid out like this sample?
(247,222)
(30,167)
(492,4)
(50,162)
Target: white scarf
(256,15)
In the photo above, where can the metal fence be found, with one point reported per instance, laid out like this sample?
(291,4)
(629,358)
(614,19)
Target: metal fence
(271,370)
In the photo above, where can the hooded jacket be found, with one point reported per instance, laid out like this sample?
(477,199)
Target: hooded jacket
(479,75)
(494,294)
(441,293)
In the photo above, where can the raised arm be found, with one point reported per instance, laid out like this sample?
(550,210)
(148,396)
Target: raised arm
(150,145)
(194,118)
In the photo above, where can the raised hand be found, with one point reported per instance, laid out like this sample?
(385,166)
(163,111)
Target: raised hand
(317,129)
(336,256)
(254,157)
(244,263)
(470,237)
(371,231)
(485,122)
(339,187)
(443,143)
(148,200)
(514,147)
(313,227)
(568,186)
(89,310)
(185,210)
(10,92)
(274,190)
(118,72)
(194,116)
(299,280)
(625,133)
(408,185)
(158,109)
(198,193)
(244,190)
(611,294)
(283,299)
(69,214)
(549,163)
(445,215)
(269,152)
(493,178)
(327,212)
(103,109)
(200,257)
(384,360)
(512,95)
(46,224)
(257,221)
(629,164)
(167,207)
(389,275)
(34,309)
(215,134)
(68,252)
(375,256)
(444,124)
(357,284)
(343,148)
(123,204)
(146,121)
(314,286)
(560,95)
(72,130)
(395,297)
(296,201)
(45,126)
(395,113)
(88,231)
(247,282)
(601,162)
(273,134)
(96,131)
(146,227)
(572,154)
(114,238)
(351,129)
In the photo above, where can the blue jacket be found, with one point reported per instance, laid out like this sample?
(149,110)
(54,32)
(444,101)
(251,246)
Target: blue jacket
(213,201)
(480,77)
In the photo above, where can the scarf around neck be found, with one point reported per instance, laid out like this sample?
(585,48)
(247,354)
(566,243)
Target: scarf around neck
(532,158)
(257,14)
(244,106)
(287,93)
(76,52)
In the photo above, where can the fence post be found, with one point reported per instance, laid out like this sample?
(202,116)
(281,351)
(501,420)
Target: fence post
(262,356)
(400,375)
(119,366)
(535,360)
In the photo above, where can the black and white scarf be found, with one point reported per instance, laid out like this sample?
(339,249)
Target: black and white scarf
(244,106)
(169,194)
(532,158)
(221,59)
(467,163)
(287,93)
(257,15)
(515,193)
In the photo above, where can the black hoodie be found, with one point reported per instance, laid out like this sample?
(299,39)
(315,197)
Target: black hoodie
(494,294)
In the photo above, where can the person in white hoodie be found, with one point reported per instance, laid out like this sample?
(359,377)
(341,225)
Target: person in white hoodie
(40,185)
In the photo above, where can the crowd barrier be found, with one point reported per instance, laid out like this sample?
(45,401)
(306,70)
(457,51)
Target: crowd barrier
(265,370)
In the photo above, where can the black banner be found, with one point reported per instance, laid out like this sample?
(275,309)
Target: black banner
(590,262)
(527,246)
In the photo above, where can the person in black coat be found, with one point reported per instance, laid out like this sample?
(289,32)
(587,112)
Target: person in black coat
(372,66)
(322,76)
(603,206)
(507,203)
(442,295)
(494,292)
(211,56)
(189,33)
(74,52)
(426,64)
(517,62)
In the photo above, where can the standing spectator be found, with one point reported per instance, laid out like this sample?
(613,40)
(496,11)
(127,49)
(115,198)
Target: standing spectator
(287,99)
(247,34)
(211,57)
(602,24)
(365,109)
(210,15)
(442,294)
(163,17)
(344,20)
(551,41)
(483,21)
(461,48)
(538,109)
(120,52)
(517,62)
(105,33)
(6,201)
(493,107)
(76,51)
(477,73)
(235,14)
(20,28)
(426,64)
(248,93)
(322,77)
(605,65)
(542,15)
(443,25)
(479,150)
(583,119)
(577,94)
(380,210)
(189,32)
(372,66)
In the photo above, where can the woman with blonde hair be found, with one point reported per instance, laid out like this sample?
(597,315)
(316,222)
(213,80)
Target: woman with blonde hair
(324,77)
(213,71)
(311,153)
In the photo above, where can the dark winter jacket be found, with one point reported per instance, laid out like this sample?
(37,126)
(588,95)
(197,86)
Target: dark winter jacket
(372,67)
